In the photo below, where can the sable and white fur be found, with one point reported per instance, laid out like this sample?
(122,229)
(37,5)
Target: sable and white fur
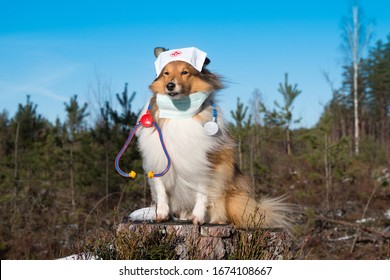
(204,183)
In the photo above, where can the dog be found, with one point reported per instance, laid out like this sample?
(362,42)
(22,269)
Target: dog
(204,183)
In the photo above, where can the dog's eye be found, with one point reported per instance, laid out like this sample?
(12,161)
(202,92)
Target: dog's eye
(184,72)
(166,73)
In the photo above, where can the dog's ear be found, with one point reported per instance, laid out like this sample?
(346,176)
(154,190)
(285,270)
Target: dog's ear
(206,62)
(159,50)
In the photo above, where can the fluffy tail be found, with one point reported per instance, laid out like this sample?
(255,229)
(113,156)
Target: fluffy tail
(245,212)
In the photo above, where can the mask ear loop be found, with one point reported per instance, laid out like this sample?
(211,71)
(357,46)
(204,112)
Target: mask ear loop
(145,121)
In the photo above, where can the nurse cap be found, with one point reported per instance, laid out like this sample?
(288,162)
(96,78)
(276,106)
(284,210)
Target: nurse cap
(192,55)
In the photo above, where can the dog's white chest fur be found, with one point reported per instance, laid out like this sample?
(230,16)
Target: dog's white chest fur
(190,174)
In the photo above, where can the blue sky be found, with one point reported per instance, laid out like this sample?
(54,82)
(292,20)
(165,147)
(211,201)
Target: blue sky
(52,50)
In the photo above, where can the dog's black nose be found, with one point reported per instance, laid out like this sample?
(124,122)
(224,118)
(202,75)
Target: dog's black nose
(170,86)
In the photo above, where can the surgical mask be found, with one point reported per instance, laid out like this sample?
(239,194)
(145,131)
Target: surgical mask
(181,108)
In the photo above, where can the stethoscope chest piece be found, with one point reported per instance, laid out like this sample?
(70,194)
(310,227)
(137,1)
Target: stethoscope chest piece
(211,128)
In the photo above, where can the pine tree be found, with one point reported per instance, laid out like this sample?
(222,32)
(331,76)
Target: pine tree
(127,117)
(74,123)
(377,70)
(283,117)
(241,126)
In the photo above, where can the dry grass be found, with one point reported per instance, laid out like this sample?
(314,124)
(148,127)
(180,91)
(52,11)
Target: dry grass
(150,242)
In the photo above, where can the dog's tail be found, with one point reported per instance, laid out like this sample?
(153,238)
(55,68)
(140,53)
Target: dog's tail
(245,212)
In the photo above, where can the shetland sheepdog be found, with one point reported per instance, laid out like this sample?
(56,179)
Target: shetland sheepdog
(204,183)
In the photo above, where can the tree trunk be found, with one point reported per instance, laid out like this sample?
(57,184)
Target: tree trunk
(107,171)
(288,139)
(251,161)
(355,77)
(16,179)
(239,151)
(328,171)
(383,120)
(72,187)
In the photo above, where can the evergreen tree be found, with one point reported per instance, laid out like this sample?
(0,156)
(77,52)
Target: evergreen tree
(4,125)
(31,124)
(242,124)
(75,116)
(377,69)
(74,124)
(283,117)
(127,117)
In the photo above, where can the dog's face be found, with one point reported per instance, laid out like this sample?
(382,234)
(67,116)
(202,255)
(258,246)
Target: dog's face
(178,79)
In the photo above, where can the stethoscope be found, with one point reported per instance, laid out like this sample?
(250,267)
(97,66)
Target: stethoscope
(211,128)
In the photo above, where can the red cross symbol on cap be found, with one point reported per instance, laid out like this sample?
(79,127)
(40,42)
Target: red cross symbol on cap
(175,53)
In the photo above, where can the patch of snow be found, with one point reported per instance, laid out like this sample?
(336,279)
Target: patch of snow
(82,256)
(347,237)
(387,214)
(339,212)
(143,214)
(365,220)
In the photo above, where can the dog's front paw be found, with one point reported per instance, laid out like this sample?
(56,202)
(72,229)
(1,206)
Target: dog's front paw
(162,213)
(197,220)
(218,222)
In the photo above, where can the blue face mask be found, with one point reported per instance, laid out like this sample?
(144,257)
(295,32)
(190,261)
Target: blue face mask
(181,108)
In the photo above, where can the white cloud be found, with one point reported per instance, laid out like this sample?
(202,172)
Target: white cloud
(42,83)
